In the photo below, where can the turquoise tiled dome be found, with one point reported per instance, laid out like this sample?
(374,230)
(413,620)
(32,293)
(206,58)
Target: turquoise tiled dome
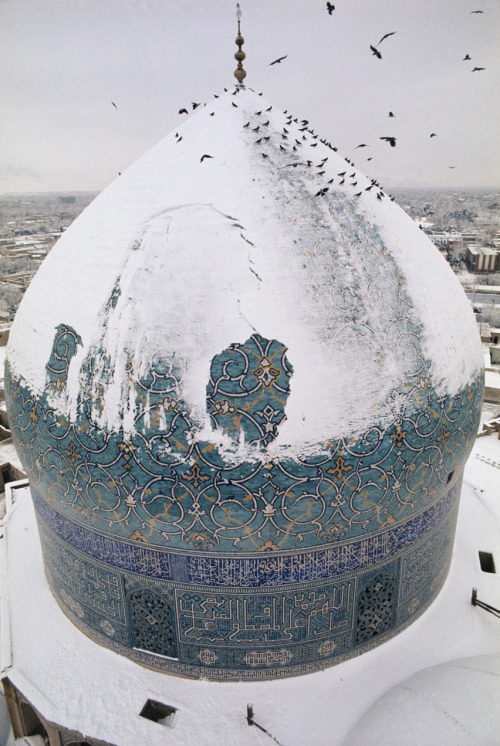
(244,393)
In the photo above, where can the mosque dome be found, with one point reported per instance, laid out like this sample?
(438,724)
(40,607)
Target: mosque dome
(244,385)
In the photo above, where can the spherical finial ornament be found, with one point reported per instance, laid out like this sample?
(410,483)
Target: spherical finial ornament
(239,73)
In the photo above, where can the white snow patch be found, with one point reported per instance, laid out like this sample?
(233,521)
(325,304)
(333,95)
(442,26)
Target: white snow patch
(209,252)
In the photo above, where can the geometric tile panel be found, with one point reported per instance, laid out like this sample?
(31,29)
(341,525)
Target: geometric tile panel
(252,633)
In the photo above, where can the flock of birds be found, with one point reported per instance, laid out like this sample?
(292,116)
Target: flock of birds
(293,136)
(374,48)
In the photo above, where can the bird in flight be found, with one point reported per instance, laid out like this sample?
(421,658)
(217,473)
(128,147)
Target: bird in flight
(391,140)
(183,111)
(451,166)
(477,68)
(375,52)
(278,61)
(467,57)
(330,8)
(477,11)
(363,145)
(385,36)
(116,107)
(205,156)
(433,134)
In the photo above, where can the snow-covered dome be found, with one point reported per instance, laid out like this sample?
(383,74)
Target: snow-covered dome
(244,385)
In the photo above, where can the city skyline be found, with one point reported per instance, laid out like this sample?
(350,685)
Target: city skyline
(90,86)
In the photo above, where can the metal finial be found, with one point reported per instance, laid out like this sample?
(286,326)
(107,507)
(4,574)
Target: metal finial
(239,73)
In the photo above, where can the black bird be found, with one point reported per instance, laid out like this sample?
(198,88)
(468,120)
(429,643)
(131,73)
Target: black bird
(341,182)
(267,138)
(256,129)
(391,114)
(363,145)
(330,8)
(379,196)
(212,113)
(180,138)
(258,113)
(264,124)
(215,95)
(477,11)
(259,140)
(368,188)
(385,36)
(278,61)
(264,155)
(467,57)
(315,145)
(354,183)
(342,174)
(375,52)
(282,148)
(205,156)
(247,124)
(233,104)
(269,108)
(194,105)
(284,137)
(116,107)
(433,134)
(358,194)
(370,159)
(183,111)
(330,181)
(320,173)
(351,176)
(451,166)
(391,140)
(285,130)
(478,68)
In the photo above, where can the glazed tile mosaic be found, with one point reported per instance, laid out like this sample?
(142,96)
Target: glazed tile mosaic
(244,392)
(156,546)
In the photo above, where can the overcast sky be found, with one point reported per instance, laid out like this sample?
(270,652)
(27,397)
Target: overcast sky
(64,62)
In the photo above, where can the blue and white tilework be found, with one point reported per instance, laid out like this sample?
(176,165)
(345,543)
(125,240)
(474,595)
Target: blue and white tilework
(160,548)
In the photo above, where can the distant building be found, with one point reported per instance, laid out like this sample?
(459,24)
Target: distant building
(482,259)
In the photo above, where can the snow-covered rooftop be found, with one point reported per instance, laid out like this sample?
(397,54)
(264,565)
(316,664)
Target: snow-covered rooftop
(243,221)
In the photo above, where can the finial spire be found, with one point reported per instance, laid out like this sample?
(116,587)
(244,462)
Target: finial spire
(239,73)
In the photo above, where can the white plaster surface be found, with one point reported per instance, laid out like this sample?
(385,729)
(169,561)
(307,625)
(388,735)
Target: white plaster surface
(74,681)
(211,252)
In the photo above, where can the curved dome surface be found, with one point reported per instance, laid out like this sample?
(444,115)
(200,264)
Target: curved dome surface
(244,385)
(452,703)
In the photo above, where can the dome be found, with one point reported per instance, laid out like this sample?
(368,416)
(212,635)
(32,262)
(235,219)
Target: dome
(244,385)
(452,703)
